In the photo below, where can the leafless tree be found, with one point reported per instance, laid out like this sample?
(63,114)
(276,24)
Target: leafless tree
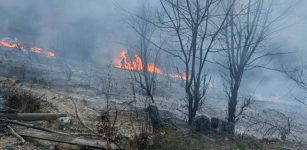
(67,70)
(193,27)
(247,102)
(246,28)
(148,55)
(298,76)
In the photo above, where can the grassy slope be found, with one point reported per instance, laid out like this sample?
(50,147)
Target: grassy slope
(175,140)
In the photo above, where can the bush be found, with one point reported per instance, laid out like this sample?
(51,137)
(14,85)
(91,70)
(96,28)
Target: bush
(22,101)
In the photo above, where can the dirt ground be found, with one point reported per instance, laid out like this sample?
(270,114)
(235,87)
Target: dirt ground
(131,119)
(128,123)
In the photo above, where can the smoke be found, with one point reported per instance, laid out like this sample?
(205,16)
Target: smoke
(96,30)
(82,30)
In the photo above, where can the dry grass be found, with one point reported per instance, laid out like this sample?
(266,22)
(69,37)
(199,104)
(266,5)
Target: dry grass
(177,140)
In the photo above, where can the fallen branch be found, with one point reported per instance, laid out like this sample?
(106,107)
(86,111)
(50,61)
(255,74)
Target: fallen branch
(82,123)
(16,134)
(8,110)
(30,126)
(32,116)
(68,139)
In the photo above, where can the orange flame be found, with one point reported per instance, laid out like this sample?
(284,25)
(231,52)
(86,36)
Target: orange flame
(36,50)
(8,45)
(180,76)
(51,54)
(137,65)
(151,68)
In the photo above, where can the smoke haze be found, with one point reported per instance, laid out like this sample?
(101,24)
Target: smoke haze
(96,30)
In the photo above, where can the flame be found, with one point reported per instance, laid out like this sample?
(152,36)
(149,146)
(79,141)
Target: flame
(124,63)
(151,68)
(137,65)
(51,54)
(180,76)
(8,45)
(36,50)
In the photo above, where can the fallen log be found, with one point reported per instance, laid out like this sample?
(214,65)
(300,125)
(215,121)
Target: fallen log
(30,126)
(68,139)
(32,116)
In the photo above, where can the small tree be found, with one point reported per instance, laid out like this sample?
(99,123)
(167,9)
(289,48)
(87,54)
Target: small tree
(147,59)
(244,33)
(193,27)
(148,56)
(298,76)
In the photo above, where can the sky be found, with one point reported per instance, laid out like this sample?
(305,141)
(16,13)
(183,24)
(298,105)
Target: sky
(96,30)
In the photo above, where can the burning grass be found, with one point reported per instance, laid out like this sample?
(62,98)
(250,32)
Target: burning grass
(136,64)
(13,44)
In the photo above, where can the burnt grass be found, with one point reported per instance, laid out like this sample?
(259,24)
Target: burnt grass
(23,100)
(177,139)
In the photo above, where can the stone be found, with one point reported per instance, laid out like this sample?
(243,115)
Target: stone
(64,121)
(215,122)
(217,125)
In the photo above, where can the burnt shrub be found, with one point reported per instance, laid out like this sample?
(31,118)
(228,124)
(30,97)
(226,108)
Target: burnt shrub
(201,124)
(22,101)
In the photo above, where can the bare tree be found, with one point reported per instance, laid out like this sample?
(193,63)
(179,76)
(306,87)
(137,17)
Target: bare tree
(146,60)
(145,78)
(67,70)
(246,28)
(194,26)
(298,76)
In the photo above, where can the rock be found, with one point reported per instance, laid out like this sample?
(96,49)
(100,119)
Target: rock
(215,123)
(222,126)
(64,121)
(201,124)
(52,147)
(226,139)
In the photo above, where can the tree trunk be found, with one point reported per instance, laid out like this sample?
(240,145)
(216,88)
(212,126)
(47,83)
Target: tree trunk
(232,104)
(154,117)
(191,113)
(232,108)
(193,106)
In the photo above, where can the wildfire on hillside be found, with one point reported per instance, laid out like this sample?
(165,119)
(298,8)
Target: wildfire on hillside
(136,64)
(22,47)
